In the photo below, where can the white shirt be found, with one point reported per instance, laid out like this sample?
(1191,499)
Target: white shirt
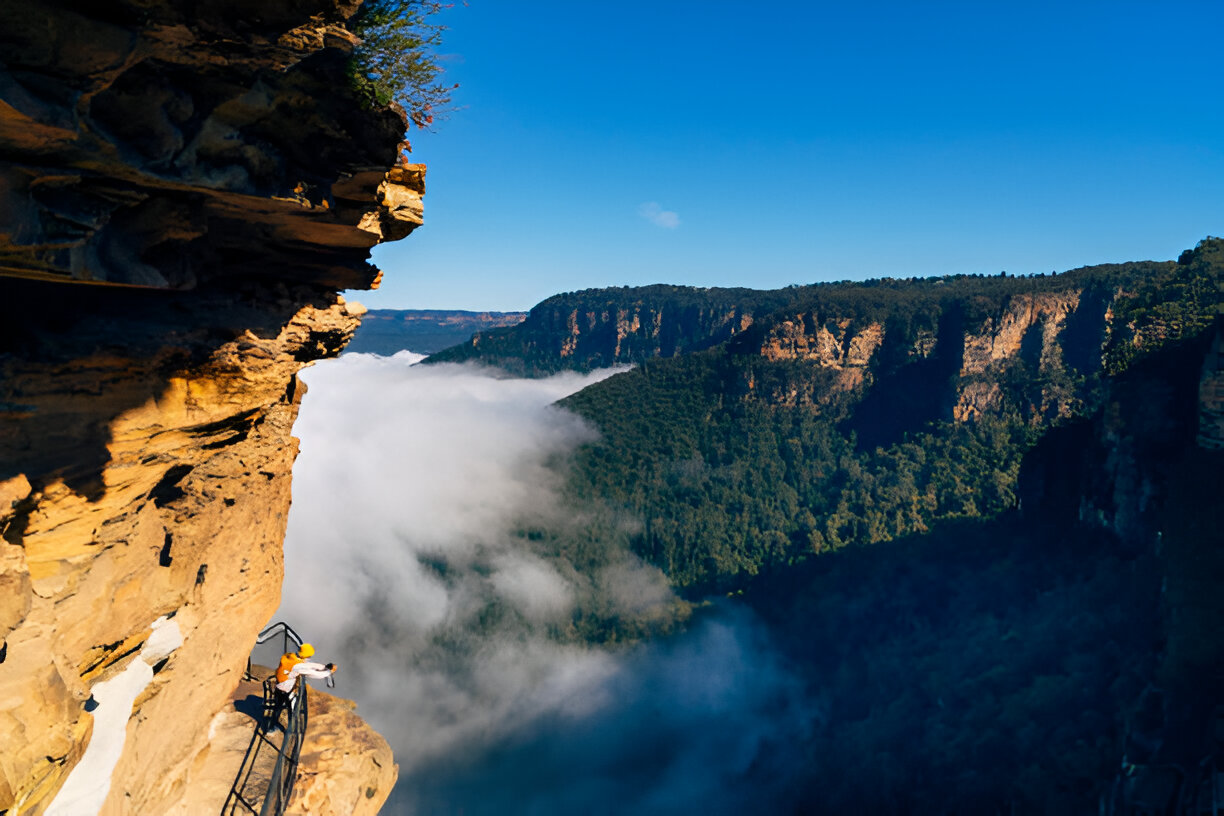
(304,669)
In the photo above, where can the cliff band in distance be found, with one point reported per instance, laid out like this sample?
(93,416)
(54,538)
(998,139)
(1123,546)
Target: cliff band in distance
(184,187)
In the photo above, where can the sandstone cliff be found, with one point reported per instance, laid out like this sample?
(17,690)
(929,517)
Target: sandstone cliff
(207,154)
(970,353)
(603,327)
(345,767)
(977,347)
(910,352)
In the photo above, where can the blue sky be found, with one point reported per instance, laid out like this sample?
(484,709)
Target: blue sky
(726,144)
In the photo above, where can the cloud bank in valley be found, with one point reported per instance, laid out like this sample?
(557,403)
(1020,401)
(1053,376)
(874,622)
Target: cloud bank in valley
(406,563)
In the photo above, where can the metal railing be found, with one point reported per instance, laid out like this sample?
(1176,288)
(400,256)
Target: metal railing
(287,636)
(249,793)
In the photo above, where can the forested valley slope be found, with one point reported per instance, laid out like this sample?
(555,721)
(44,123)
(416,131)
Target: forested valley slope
(980,515)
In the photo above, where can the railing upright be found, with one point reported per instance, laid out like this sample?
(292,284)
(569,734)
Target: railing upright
(287,635)
(280,786)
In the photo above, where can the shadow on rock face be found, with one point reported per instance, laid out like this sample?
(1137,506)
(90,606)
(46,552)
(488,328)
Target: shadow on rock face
(73,358)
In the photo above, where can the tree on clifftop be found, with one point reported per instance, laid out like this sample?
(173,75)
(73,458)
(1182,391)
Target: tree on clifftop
(397,60)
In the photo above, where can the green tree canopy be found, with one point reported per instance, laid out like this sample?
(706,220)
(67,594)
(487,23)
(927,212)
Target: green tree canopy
(397,60)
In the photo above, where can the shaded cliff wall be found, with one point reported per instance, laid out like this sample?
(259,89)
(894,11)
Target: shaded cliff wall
(1211,394)
(184,186)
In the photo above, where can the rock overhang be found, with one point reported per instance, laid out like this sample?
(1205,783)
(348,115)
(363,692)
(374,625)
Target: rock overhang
(169,145)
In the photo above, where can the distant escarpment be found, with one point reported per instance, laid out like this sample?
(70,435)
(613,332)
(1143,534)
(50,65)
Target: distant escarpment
(761,428)
(853,412)
(596,328)
(184,188)
(424,331)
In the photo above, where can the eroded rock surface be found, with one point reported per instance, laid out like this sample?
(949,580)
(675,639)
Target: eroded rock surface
(157,460)
(604,327)
(171,143)
(184,187)
(345,769)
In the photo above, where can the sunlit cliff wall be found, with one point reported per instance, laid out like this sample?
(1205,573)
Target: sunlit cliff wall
(603,327)
(184,187)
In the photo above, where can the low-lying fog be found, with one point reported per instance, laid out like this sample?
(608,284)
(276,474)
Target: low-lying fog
(402,565)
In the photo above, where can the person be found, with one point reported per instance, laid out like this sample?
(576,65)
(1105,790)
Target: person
(292,666)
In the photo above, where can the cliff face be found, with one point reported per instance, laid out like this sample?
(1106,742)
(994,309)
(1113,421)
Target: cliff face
(170,144)
(604,327)
(1038,352)
(835,346)
(866,412)
(208,154)
(1030,328)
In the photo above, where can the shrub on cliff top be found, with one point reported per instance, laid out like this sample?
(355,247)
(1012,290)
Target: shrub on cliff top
(397,61)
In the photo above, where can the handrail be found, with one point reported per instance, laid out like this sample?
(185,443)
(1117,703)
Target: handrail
(273,799)
(280,786)
(287,636)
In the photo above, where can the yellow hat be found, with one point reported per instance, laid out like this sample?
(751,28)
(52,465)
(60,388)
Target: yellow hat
(306,650)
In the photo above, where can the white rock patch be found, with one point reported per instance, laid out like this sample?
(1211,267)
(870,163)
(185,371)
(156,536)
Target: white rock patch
(86,788)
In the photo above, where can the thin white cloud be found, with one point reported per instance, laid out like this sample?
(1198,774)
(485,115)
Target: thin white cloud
(653,212)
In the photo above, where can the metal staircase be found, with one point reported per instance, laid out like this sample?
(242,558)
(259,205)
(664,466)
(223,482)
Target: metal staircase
(264,783)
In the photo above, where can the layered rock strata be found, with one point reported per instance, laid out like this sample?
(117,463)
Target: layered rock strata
(344,768)
(603,327)
(147,459)
(169,144)
(184,186)
(1033,329)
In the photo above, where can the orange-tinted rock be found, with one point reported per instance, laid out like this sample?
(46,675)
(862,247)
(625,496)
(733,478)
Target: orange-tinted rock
(1002,336)
(346,768)
(172,144)
(205,163)
(832,344)
(158,477)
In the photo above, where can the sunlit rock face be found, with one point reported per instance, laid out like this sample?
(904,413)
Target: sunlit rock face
(1046,331)
(346,768)
(598,328)
(183,189)
(838,346)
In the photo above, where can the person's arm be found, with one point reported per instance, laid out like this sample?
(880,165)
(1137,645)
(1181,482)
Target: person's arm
(310,669)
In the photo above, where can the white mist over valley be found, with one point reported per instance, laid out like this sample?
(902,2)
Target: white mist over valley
(405,564)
